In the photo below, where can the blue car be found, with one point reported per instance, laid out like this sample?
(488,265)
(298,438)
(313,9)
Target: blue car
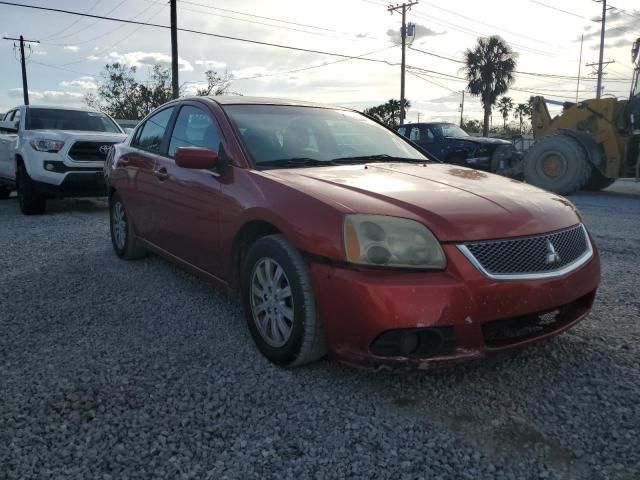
(450,144)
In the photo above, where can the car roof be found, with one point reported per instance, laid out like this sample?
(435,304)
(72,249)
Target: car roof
(244,100)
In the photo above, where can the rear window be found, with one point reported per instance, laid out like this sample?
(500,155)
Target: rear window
(56,119)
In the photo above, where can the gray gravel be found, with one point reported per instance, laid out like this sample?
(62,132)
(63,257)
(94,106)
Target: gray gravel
(117,370)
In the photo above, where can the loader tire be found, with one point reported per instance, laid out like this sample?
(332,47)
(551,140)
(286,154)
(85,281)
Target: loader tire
(557,163)
(597,181)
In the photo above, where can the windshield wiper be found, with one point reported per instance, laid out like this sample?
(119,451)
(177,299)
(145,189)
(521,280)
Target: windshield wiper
(382,157)
(294,162)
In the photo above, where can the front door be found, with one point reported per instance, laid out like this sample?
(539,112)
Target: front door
(187,211)
(140,163)
(8,141)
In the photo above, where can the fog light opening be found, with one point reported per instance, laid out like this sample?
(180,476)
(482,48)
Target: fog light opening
(409,343)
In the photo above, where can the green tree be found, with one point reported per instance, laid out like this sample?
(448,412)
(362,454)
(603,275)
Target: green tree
(388,113)
(522,110)
(489,68)
(472,126)
(122,96)
(505,105)
(217,84)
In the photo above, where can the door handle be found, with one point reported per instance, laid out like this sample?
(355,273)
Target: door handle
(161,174)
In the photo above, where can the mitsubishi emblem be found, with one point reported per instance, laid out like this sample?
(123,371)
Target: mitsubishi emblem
(552,255)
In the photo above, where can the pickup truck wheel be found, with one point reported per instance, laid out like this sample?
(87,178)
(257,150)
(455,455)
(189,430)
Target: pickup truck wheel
(31,201)
(4,193)
(279,303)
(123,240)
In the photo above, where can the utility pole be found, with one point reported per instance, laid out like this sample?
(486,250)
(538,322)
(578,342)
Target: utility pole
(600,66)
(602,27)
(174,50)
(25,88)
(403,35)
(579,67)
(462,109)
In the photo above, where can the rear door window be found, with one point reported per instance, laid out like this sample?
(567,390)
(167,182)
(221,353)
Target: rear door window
(152,131)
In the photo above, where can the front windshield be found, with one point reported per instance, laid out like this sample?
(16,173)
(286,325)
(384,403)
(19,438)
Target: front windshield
(450,130)
(298,136)
(57,119)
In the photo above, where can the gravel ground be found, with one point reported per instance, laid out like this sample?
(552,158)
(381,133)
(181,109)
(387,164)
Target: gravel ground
(123,370)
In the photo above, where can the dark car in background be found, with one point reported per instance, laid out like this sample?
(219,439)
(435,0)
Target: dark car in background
(451,144)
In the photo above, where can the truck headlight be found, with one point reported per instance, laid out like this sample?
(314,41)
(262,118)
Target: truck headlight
(391,242)
(46,145)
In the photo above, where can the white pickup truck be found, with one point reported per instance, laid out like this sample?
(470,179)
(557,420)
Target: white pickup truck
(48,152)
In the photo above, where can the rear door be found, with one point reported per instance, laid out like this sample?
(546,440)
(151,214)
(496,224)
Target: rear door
(139,163)
(188,200)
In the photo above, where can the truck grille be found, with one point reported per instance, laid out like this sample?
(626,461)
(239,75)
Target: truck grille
(539,256)
(90,151)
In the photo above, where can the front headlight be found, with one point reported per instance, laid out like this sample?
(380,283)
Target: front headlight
(46,145)
(391,242)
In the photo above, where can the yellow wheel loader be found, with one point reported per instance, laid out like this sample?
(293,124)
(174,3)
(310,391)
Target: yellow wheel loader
(589,145)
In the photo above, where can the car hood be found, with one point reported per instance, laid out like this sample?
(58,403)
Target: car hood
(76,134)
(482,140)
(456,203)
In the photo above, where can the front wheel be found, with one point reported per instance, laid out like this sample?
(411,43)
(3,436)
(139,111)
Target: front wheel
(125,244)
(279,303)
(557,163)
(31,201)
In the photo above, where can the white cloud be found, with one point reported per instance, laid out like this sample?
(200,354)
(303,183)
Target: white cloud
(421,31)
(72,48)
(211,64)
(250,72)
(93,58)
(148,59)
(85,83)
(50,96)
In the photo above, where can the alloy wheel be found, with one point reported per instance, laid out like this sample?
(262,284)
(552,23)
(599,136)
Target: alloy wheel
(272,302)
(119,222)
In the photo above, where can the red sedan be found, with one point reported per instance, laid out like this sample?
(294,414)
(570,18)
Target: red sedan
(342,238)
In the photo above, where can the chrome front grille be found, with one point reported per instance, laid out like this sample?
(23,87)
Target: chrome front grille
(540,256)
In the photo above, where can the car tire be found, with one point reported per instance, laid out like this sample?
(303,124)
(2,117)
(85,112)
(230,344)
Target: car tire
(279,303)
(4,193)
(123,239)
(597,181)
(30,200)
(557,163)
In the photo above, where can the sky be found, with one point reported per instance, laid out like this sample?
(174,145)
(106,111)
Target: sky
(73,51)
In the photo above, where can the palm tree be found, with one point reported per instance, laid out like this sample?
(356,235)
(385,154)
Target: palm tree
(392,108)
(489,69)
(505,105)
(522,110)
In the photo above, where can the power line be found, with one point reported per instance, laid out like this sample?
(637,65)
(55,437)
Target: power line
(559,9)
(458,14)
(197,32)
(66,29)
(92,23)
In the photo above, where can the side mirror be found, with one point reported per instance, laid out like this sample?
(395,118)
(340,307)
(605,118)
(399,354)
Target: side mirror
(8,126)
(196,158)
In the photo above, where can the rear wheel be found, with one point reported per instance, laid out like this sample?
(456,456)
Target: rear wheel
(124,242)
(279,303)
(557,163)
(31,201)
(597,181)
